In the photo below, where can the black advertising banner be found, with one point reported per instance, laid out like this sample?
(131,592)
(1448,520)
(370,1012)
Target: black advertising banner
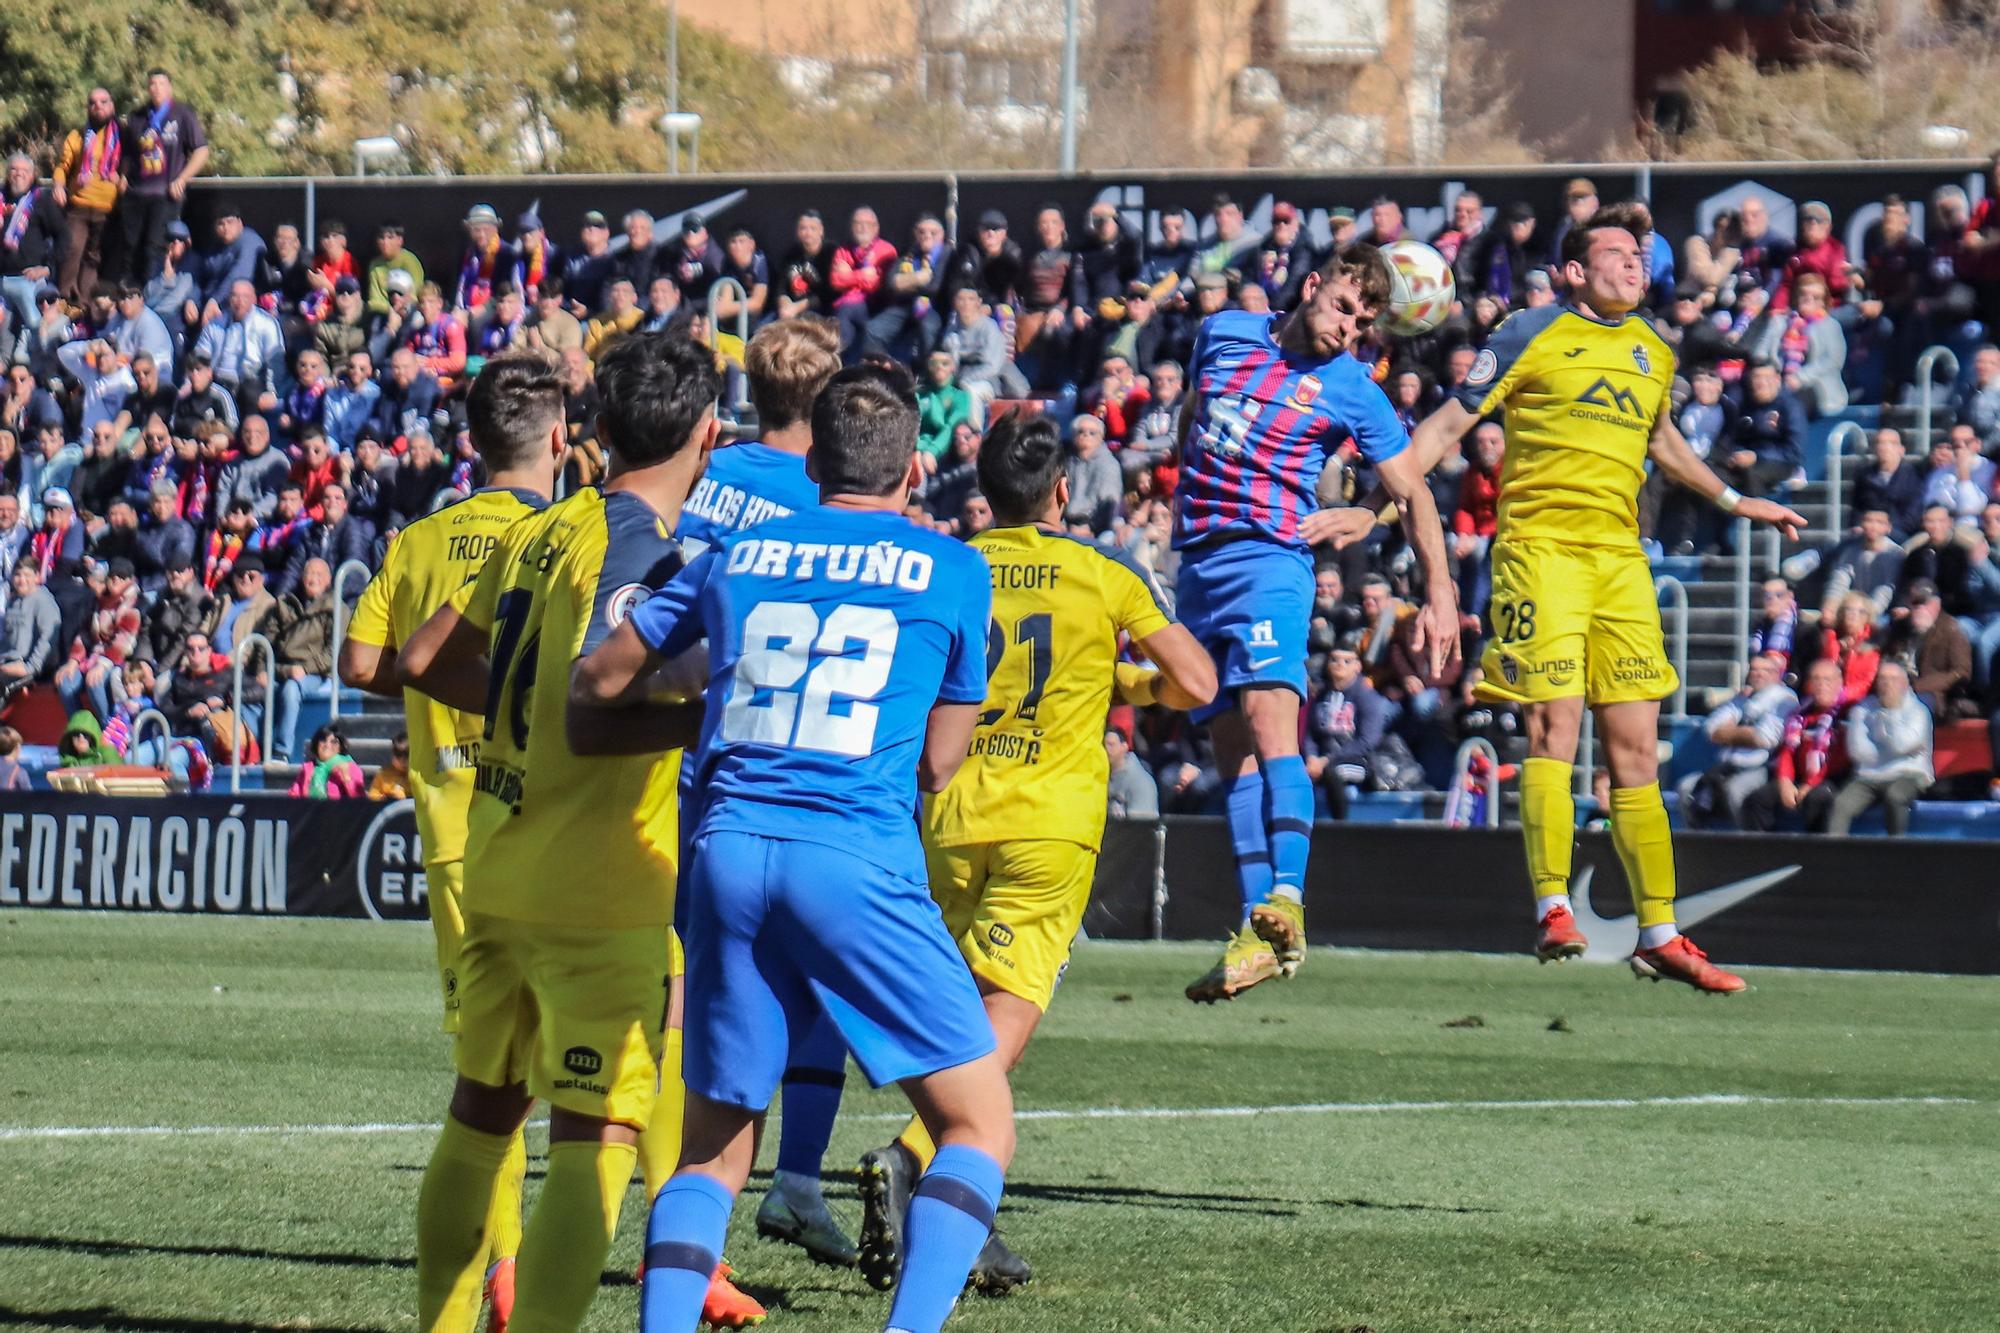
(1905,904)
(1684,199)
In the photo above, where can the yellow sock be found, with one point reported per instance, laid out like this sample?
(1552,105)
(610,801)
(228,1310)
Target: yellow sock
(452,1210)
(660,1144)
(569,1234)
(918,1140)
(1646,846)
(1548,823)
(503,1219)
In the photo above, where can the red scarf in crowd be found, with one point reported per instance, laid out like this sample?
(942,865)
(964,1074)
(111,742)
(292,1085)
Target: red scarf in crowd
(101,150)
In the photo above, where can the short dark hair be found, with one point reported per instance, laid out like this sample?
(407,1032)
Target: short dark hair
(1370,271)
(1020,461)
(157,73)
(514,401)
(1630,217)
(656,390)
(864,428)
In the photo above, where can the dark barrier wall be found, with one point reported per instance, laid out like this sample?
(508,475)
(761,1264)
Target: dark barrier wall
(1684,198)
(1815,902)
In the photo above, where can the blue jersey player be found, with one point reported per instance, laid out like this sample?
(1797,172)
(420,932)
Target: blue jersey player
(1270,396)
(848,665)
(788,363)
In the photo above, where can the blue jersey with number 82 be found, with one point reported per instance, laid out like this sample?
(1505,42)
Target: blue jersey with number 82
(831,635)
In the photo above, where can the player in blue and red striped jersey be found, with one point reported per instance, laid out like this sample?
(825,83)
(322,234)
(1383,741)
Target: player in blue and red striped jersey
(1270,397)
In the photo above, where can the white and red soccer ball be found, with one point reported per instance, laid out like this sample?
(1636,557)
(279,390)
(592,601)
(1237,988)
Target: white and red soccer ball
(1421,289)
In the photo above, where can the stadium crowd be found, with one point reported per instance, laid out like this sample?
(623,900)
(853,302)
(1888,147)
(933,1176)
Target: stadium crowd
(199,432)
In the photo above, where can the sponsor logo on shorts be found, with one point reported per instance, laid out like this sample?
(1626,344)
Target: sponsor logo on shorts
(582,1085)
(1559,671)
(1000,935)
(1637,670)
(1261,635)
(582,1060)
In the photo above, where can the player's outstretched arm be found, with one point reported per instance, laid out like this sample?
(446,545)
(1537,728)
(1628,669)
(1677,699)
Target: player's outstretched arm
(370,667)
(1437,622)
(641,728)
(1187,672)
(1671,454)
(614,674)
(1429,442)
(946,737)
(446,659)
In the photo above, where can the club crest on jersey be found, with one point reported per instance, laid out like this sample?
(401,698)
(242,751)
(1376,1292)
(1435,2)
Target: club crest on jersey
(1483,367)
(1641,360)
(1510,669)
(622,602)
(1303,394)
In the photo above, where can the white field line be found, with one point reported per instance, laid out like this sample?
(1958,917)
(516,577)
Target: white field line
(23,1133)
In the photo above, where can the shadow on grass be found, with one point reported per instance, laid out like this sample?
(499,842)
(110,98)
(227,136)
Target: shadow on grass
(1134,1197)
(74,1245)
(107,1317)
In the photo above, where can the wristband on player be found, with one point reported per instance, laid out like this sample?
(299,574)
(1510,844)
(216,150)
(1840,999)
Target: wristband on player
(1728,500)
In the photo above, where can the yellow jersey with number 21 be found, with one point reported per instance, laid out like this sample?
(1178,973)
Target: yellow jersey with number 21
(1036,767)
(560,838)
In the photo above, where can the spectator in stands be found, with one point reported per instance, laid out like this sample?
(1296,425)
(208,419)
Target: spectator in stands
(859,279)
(201,693)
(979,349)
(957,478)
(622,313)
(1501,257)
(1474,518)
(942,406)
(551,326)
(585,272)
(33,236)
(1940,555)
(93,675)
(28,406)
(103,380)
(164,148)
(335,536)
(1811,756)
(138,332)
(301,631)
(60,539)
(1282,262)
(1455,239)
(1934,649)
(1807,345)
(1385,222)
(693,261)
(247,348)
(662,308)
(1580,201)
(1096,484)
(203,404)
(238,257)
(408,400)
(500,329)
(1959,478)
(1776,632)
(100,477)
(1982,623)
(1889,746)
(181,608)
(351,403)
(164,539)
(1766,442)
(1133,792)
(257,472)
(285,271)
(1893,485)
(49,467)
(805,277)
(1847,640)
(423,473)
(392,781)
(1980,411)
(1711,261)
(89,177)
(744,260)
(1764,250)
(13,777)
(170,292)
(1819,253)
(1745,732)
(1345,725)
(16,534)
(243,611)
(28,629)
(1895,274)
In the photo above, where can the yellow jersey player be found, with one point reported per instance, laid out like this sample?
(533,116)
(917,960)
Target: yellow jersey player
(1012,842)
(426,563)
(1585,387)
(565,967)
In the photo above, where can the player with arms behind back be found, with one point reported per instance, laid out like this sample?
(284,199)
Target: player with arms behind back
(1585,386)
(1271,396)
(1013,841)
(565,969)
(515,415)
(848,651)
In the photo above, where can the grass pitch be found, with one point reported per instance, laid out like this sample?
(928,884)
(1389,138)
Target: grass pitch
(1821,1209)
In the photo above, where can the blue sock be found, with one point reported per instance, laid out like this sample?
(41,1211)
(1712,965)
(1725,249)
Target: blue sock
(812,1098)
(1245,796)
(1288,818)
(951,1214)
(684,1238)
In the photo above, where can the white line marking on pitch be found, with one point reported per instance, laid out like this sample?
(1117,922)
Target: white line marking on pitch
(28,1132)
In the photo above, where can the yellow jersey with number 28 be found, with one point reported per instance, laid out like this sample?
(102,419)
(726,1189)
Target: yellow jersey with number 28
(560,838)
(1581,399)
(1036,767)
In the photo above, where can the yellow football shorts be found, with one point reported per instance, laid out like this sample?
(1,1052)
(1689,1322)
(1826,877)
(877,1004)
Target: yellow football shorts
(1574,620)
(445,885)
(577,1013)
(1014,908)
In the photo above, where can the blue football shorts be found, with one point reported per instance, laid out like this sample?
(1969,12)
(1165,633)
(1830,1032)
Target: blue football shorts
(1249,603)
(776,929)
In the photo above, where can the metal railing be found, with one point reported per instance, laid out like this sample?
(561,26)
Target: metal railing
(340,619)
(1461,778)
(742,331)
(1927,388)
(139,732)
(244,650)
(1741,628)
(1668,584)
(1836,464)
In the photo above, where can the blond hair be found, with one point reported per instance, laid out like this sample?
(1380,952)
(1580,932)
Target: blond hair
(788,363)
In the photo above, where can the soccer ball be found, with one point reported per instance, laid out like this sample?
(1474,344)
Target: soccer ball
(1421,289)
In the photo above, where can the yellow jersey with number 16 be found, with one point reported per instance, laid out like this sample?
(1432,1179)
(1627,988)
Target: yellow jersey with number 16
(425,565)
(1036,767)
(559,838)
(1581,399)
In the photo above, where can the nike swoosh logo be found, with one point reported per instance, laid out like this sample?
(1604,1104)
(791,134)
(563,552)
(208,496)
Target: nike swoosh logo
(1612,939)
(1260,663)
